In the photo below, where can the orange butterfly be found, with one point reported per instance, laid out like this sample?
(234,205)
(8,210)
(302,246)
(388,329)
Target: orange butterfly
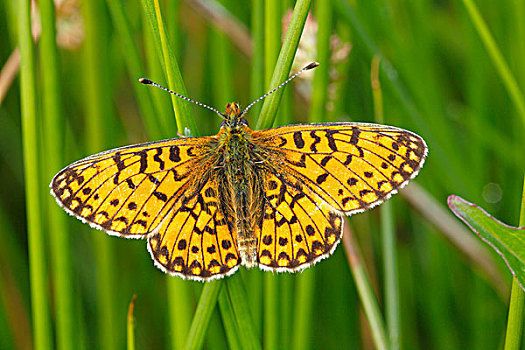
(270,198)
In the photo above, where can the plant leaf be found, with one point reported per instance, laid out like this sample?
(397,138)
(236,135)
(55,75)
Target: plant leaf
(507,241)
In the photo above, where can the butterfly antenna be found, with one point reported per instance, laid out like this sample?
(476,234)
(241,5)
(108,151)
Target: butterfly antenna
(308,67)
(149,82)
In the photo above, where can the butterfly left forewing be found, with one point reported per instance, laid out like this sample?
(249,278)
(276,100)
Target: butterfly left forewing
(128,191)
(349,166)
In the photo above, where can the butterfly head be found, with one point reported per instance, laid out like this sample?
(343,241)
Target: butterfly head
(233,116)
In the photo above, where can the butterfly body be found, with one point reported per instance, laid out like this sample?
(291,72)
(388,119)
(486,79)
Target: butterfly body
(238,176)
(270,198)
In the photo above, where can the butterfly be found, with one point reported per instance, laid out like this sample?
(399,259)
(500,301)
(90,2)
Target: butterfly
(270,198)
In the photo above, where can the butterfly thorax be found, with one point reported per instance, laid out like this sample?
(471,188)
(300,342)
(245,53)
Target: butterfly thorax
(239,182)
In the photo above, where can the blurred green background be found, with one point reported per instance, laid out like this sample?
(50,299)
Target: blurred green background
(64,285)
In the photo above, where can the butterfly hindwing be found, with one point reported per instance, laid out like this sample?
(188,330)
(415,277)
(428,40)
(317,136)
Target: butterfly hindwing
(129,190)
(297,228)
(350,166)
(194,241)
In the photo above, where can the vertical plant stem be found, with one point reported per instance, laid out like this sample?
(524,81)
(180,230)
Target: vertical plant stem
(257,72)
(130,325)
(388,236)
(304,295)
(364,288)
(37,260)
(305,288)
(321,73)
(54,150)
(272,37)
(255,278)
(237,295)
(391,283)
(155,124)
(179,310)
(220,70)
(201,319)
(272,41)
(517,299)
(228,318)
(97,111)
(284,63)
(153,69)
(499,62)
(182,112)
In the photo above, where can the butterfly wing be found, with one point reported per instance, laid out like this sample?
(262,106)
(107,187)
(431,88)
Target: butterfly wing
(129,191)
(194,240)
(350,166)
(297,229)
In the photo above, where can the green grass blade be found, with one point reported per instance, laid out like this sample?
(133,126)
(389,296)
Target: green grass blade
(321,73)
(35,232)
(271,311)
(54,149)
(388,236)
(13,288)
(228,318)
(499,62)
(258,59)
(179,310)
(182,111)
(284,63)
(154,71)
(272,37)
(220,71)
(304,295)
(237,295)
(272,43)
(202,317)
(305,282)
(517,299)
(449,168)
(364,288)
(98,112)
(130,325)
(157,125)
(254,280)
(516,315)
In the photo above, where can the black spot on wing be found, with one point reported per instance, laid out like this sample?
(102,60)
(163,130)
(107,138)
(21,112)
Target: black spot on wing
(143,161)
(298,139)
(157,158)
(317,139)
(355,136)
(175,153)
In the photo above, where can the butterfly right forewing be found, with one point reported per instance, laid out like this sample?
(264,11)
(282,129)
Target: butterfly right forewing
(350,166)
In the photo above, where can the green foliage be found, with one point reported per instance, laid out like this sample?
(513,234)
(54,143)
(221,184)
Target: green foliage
(507,241)
(449,71)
